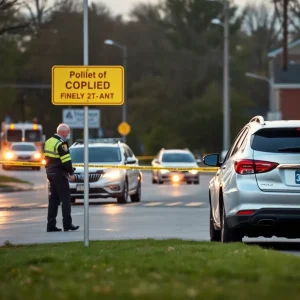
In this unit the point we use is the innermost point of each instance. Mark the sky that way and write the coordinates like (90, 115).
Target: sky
(124, 6)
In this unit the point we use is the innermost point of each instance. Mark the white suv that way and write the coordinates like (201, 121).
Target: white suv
(106, 182)
(256, 191)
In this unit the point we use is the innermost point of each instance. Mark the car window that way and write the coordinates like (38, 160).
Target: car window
(177, 157)
(14, 135)
(96, 154)
(240, 141)
(23, 147)
(232, 148)
(128, 151)
(33, 135)
(277, 140)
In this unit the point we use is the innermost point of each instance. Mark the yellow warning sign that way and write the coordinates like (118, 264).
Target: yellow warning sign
(124, 128)
(87, 85)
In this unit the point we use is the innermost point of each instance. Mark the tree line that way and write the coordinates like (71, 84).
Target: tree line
(174, 65)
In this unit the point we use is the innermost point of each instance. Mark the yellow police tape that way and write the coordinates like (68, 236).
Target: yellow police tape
(33, 164)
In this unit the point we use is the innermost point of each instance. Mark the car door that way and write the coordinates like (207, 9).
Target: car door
(156, 163)
(132, 174)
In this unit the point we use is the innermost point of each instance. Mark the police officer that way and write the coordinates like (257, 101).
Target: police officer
(59, 168)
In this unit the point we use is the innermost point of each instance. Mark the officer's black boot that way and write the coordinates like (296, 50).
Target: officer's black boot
(71, 227)
(54, 229)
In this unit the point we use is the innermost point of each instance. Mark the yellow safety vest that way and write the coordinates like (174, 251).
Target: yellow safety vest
(51, 150)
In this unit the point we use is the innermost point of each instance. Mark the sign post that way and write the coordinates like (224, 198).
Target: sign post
(86, 128)
(87, 85)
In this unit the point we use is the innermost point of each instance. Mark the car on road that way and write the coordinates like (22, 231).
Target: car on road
(175, 158)
(22, 152)
(106, 182)
(256, 190)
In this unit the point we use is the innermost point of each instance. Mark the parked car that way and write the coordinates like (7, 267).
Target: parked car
(175, 158)
(256, 191)
(22, 152)
(106, 182)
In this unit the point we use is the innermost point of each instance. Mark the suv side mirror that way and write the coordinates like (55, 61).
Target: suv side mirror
(130, 160)
(212, 160)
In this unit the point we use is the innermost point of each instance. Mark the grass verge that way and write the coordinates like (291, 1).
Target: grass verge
(147, 269)
(4, 180)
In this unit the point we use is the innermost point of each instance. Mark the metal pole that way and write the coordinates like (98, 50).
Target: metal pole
(271, 90)
(124, 108)
(226, 110)
(86, 129)
(285, 36)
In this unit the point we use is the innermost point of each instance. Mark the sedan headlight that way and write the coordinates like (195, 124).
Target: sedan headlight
(164, 171)
(194, 172)
(112, 174)
(37, 155)
(8, 155)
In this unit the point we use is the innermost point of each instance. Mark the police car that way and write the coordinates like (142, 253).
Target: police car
(106, 182)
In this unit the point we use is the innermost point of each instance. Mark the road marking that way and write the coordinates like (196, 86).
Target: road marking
(153, 203)
(28, 219)
(194, 204)
(133, 204)
(174, 203)
(104, 229)
(27, 204)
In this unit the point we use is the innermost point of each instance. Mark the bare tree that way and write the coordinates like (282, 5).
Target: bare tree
(10, 20)
(263, 27)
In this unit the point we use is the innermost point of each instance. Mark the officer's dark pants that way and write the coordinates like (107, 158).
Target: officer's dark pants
(59, 193)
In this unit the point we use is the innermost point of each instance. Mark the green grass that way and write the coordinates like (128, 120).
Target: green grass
(147, 269)
(7, 179)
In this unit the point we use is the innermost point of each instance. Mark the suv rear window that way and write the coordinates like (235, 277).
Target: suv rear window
(96, 154)
(278, 140)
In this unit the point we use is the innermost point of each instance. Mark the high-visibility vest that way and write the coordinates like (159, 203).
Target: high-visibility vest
(51, 150)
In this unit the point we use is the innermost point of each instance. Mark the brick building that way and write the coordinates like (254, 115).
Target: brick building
(285, 94)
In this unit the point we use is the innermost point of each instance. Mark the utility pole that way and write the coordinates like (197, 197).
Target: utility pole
(285, 36)
(22, 106)
(226, 103)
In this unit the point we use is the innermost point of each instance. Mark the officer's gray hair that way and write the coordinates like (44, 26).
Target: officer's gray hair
(62, 128)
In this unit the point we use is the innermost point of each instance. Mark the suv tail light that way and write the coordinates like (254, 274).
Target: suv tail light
(245, 212)
(249, 166)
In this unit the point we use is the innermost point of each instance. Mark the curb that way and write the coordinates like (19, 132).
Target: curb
(20, 188)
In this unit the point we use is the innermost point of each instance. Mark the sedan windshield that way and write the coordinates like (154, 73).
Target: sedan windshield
(23, 148)
(96, 154)
(178, 157)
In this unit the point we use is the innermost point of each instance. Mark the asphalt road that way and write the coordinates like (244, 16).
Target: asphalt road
(166, 211)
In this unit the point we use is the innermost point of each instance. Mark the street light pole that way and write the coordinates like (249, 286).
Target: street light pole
(226, 89)
(226, 110)
(124, 106)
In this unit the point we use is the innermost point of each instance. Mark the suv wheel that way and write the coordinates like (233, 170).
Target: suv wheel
(228, 235)
(124, 197)
(215, 235)
(138, 195)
